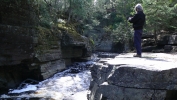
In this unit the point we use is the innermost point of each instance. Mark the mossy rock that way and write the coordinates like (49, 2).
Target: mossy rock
(70, 30)
(47, 39)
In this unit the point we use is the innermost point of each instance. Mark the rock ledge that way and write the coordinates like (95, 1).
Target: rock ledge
(152, 77)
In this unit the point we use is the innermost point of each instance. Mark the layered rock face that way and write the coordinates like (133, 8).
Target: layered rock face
(75, 46)
(16, 42)
(165, 43)
(152, 77)
(30, 51)
(169, 42)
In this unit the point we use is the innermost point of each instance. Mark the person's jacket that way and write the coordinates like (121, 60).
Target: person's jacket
(138, 20)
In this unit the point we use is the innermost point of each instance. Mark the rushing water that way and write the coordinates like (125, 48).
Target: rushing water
(62, 86)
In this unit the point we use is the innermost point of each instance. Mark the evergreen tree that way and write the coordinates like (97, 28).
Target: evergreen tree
(159, 15)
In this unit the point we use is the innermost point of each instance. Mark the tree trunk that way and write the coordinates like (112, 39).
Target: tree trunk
(155, 34)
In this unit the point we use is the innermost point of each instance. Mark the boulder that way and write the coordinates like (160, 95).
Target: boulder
(167, 48)
(152, 77)
(170, 48)
(74, 46)
(172, 39)
(167, 39)
(174, 48)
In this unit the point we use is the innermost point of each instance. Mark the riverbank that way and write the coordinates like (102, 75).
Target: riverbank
(152, 77)
(113, 69)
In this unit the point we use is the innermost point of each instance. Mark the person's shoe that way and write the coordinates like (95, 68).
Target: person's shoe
(136, 55)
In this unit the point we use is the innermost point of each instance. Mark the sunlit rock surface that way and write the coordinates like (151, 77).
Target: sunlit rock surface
(152, 77)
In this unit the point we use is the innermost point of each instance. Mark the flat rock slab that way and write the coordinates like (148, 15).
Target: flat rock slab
(152, 77)
(152, 71)
(148, 61)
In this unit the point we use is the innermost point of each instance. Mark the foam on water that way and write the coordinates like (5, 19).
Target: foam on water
(62, 86)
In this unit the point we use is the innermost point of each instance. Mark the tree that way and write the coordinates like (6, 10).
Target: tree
(158, 14)
(122, 31)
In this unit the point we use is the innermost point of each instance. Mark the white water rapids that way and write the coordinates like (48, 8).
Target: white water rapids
(62, 86)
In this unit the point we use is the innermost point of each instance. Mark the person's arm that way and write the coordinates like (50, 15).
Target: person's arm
(133, 19)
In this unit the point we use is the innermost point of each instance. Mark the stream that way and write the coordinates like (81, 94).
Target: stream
(71, 84)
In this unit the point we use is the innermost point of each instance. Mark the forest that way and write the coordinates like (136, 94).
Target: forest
(110, 15)
(107, 17)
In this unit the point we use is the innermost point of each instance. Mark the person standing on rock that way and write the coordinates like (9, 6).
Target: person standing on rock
(138, 21)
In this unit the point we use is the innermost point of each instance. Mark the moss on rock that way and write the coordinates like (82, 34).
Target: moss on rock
(71, 31)
(47, 39)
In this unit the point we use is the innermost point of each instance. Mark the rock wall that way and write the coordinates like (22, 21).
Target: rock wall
(164, 43)
(104, 43)
(122, 78)
(168, 41)
(16, 42)
(101, 41)
(30, 51)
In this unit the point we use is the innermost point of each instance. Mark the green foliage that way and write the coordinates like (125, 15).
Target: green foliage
(110, 15)
(92, 41)
(173, 2)
(50, 10)
(71, 31)
(105, 19)
(117, 12)
(160, 16)
(122, 33)
(81, 8)
(45, 14)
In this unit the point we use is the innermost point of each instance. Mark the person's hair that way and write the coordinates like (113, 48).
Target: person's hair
(138, 7)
